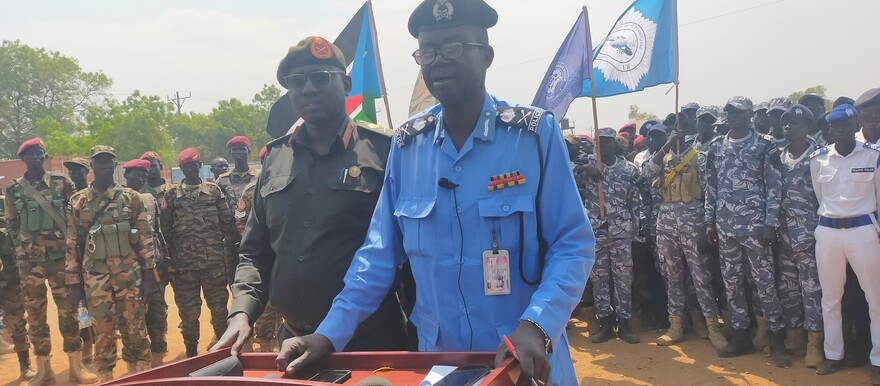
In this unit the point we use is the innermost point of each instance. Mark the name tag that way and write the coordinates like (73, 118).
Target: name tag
(862, 170)
(496, 273)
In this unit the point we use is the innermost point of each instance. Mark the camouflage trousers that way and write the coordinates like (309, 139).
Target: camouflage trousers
(679, 227)
(613, 266)
(34, 277)
(188, 287)
(157, 319)
(266, 324)
(113, 295)
(798, 286)
(12, 308)
(737, 253)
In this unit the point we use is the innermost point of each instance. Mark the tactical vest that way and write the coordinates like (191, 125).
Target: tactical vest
(31, 216)
(685, 186)
(111, 236)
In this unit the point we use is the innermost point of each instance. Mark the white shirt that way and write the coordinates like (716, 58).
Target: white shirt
(847, 186)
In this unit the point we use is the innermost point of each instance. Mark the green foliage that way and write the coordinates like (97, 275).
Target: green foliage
(818, 90)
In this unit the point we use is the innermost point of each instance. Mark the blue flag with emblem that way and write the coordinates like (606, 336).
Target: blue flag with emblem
(640, 51)
(569, 72)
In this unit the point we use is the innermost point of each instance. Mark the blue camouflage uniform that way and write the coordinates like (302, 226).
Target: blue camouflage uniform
(742, 196)
(443, 232)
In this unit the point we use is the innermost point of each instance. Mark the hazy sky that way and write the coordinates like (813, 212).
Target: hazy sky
(228, 49)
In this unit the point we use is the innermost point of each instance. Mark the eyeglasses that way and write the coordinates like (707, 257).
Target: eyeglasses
(318, 79)
(449, 51)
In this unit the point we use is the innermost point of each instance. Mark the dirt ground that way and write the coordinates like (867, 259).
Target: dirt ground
(692, 362)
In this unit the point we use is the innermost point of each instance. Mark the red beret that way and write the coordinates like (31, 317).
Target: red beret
(151, 154)
(629, 126)
(640, 140)
(33, 142)
(624, 134)
(239, 140)
(188, 156)
(262, 153)
(137, 164)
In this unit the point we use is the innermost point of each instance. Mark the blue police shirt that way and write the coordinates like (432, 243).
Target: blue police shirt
(417, 220)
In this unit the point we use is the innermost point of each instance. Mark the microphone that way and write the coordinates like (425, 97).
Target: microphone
(446, 184)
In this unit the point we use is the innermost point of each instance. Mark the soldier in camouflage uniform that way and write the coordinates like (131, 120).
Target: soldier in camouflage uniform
(156, 186)
(679, 170)
(136, 172)
(232, 183)
(798, 277)
(12, 301)
(614, 236)
(742, 213)
(35, 214)
(109, 257)
(198, 226)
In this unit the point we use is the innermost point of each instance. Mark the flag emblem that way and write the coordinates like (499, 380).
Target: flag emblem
(558, 83)
(626, 55)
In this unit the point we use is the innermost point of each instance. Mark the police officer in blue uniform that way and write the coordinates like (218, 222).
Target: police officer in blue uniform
(480, 199)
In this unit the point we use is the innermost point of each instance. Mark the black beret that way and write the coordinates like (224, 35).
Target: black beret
(311, 50)
(432, 15)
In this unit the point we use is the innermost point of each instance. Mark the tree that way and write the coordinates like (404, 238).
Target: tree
(636, 114)
(818, 90)
(36, 84)
(138, 124)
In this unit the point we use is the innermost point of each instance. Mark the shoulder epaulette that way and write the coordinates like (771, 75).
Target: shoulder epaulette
(373, 128)
(282, 140)
(413, 127)
(819, 151)
(523, 118)
(871, 146)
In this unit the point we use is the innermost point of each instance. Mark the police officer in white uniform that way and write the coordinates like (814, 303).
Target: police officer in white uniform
(846, 178)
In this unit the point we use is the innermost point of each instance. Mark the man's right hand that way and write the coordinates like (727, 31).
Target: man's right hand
(77, 294)
(712, 234)
(299, 352)
(588, 171)
(238, 331)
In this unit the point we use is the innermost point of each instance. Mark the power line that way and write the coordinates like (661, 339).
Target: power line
(178, 100)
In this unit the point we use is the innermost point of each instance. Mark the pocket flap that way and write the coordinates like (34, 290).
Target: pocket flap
(414, 208)
(276, 184)
(503, 206)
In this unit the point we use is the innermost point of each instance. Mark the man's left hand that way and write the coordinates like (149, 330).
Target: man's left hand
(768, 236)
(528, 340)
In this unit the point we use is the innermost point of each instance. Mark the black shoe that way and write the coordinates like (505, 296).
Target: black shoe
(778, 354)
(875, 375)
(829, 366)
(740, 343)
(605, 330)
(191, 350)
(625, 333)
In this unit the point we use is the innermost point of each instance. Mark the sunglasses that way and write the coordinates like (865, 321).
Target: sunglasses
(449, 51)
(318, 79)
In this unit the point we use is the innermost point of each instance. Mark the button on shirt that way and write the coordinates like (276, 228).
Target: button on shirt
(417, 220)
(847, 186)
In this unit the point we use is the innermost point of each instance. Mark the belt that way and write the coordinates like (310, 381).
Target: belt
(846, 222)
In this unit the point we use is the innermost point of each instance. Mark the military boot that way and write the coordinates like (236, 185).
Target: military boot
(87, 354)
(760, 340)
(814, 357)
(829, 366)
(78, 372)
(738, 344)
(715, 335)
(727, 326)
(674, 333)
(778, 354)
(699, 324)
(191, 350)
(625, 333)
(265, 345)
(44, 376)
(158, 359)
(795, 339)
(605, 330)
(24, 366)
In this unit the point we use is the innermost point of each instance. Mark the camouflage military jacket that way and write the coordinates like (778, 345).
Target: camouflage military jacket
(123, 232)
(799, 204)
(622, 205)
(197, 225)
(158, 192)
(243, 206)
(35, 236)
(744, 184)
(151, 207)
(7, 260)
(233, 183)
(651, 199)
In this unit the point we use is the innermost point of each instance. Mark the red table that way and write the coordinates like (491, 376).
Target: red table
(409, 368)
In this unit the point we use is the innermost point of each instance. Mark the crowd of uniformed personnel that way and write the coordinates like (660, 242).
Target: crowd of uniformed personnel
(436, 239)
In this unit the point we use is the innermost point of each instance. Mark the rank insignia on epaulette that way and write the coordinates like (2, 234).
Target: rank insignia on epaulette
(505, 180)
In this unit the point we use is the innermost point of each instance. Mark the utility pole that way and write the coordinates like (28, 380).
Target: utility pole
(178, 100)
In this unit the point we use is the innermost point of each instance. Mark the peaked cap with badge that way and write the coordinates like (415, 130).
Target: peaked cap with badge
(432, 15)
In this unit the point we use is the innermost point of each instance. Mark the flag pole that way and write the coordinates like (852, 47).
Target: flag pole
(598, 150)
(379, 63)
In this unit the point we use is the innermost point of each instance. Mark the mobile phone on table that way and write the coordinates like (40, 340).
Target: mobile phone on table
(332, 376)
(464, 376)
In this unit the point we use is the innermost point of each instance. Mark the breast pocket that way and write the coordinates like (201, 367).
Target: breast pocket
(504, 216)
(417, 225)
(859, 185)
